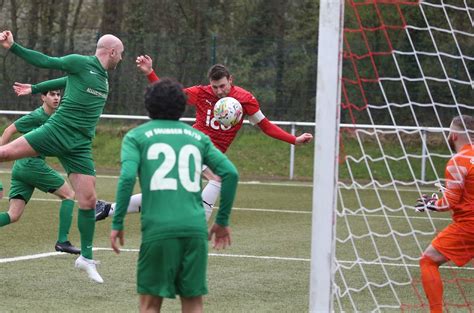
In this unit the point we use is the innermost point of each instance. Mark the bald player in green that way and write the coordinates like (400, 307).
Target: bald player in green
(68, 134)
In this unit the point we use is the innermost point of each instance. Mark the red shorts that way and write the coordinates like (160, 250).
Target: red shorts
(456, 242)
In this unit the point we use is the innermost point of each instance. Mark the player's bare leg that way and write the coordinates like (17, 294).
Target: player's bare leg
(150, 304)
(15, 210)
(16, 149)
(192, 305)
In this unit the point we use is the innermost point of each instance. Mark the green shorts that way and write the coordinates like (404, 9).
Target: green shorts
(31, 173)
(72, 148)
(168, 267)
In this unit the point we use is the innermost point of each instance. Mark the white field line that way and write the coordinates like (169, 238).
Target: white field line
(225, 255)
(256, 182)
(296, 211)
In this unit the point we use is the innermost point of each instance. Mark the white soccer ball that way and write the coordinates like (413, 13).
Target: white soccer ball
(228, 111)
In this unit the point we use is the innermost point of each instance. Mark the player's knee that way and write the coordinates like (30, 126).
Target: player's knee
(426, 261)
(87, 202)
(215, 183)
(5, 154)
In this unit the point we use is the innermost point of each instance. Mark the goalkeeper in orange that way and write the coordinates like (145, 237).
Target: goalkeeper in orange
(456, 242)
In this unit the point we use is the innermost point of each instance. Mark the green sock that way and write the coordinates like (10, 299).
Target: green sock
(4, 219)
(86, 225)
(65, 219)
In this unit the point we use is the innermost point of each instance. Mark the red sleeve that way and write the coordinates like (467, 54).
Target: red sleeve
(152, 77)
(276, 132)
(192, 93)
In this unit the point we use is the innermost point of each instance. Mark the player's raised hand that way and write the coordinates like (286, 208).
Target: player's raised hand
(6, 39)
(221, 236)
(144, 64)
(426, 202)
(114, 235)
(304, 138)
(22, 89)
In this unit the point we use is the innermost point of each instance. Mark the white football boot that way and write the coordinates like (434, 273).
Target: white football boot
(90, 267)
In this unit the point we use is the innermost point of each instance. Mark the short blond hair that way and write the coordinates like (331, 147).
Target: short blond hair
(464, 123)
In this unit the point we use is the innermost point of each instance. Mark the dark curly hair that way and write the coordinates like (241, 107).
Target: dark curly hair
(165, 100)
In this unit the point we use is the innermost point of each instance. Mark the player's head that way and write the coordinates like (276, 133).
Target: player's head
(220, 80)
(51, 99)
(109, 51)
(165, 100)
(461, 132)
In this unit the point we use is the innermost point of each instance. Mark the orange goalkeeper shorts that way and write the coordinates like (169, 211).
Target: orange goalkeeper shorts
(456, 242)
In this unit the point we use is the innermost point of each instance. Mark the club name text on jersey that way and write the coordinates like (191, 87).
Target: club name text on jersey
(213, 123)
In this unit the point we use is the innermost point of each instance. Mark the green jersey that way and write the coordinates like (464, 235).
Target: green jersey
(168, 156)
(86, 90)
(29, 122)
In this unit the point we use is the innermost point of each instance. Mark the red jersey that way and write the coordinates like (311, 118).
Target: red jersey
(459, 193)
(203, 98)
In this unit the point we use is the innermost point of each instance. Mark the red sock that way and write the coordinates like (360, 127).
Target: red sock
(432, 283)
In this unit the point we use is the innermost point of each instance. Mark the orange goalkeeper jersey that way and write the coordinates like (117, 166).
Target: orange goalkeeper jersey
(459, 193)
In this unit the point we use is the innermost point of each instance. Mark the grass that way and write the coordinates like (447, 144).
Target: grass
(236, 284)
(267, 268)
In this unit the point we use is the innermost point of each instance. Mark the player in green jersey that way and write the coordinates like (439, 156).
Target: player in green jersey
(68, 133)
(168, 155)
(31, 173)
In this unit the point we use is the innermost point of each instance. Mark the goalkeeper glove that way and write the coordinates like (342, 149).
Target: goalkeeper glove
(426, 202)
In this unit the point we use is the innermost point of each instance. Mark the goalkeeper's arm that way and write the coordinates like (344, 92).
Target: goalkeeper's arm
(431, 203)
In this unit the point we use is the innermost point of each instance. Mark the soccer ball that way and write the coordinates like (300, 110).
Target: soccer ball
(228, 111)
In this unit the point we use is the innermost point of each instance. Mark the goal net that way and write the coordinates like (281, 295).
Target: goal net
(408, 69)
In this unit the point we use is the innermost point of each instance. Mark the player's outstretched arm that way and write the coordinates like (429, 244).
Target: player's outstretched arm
(8, 134)
(304, 138)
(220, 236)
(429, 203)
(144, 64)
(6, 39)
(22, 89)
(276, 132)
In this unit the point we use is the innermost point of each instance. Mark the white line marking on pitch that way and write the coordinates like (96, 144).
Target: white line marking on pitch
(298, 212)
(282, 183)
(259, 257)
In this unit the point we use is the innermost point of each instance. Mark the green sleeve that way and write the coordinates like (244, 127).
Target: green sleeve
(53, 84)
(130, 156)
(70, 63)
(124, 192)
(1, 186)
(224, 168)
(27, 123)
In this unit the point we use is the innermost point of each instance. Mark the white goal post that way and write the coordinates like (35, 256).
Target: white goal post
(391, 63)
(326, 154)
